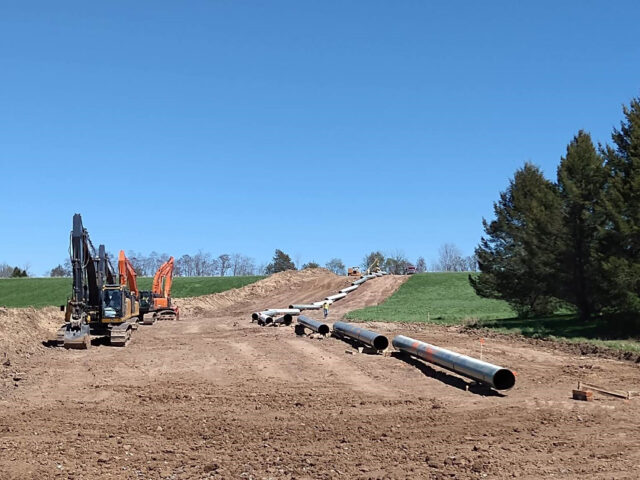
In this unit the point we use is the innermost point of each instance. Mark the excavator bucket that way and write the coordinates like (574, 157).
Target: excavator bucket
(77, 338)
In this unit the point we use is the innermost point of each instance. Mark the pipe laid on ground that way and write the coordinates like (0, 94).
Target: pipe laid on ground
(264, 319)
(379, 274)
(286, 319)
(322, 302)
(306, 306)
(360, 282)
(497, 377)
(311, 324)
(349, 289)
(373, 339)
(335, 297)
(283, 311)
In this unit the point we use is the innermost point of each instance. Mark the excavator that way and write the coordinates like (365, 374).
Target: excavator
(158, 300)
(100, 303)
(374, 268)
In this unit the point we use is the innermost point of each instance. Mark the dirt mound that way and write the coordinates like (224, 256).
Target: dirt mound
(277, 291)
(22, 330)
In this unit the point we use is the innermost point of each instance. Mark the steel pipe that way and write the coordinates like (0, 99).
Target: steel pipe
(349, 289)
(497, 377)
(322, 302)
(373, 339)
(335, 297)
(314, 325)
(264, 319)
(360, 282)
(286, 319)
(306, 306)
(282, 311)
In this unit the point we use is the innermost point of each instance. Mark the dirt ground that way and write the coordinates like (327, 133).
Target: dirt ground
(216, 396)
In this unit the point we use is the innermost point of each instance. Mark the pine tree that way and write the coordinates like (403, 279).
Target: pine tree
(518, 257)
(621, 237)
(581, 182)
(281, 262)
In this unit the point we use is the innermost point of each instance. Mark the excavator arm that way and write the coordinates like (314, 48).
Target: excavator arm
(127, 274)
(163, 279)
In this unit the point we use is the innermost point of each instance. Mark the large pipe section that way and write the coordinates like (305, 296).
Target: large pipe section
(283, 311)
(335, 297)
(311, 324)
(322, 302)
(264, 319)
(359, 282)
(497, 377)
(286, 319)
(373, 339)
(349, 289)
(306, 306)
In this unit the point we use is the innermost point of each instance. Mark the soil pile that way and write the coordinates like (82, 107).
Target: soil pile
(277, 291)
(22, 330)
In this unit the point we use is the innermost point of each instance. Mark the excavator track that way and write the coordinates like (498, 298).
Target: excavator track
(149, 319)
(168, 314)
(119, 335)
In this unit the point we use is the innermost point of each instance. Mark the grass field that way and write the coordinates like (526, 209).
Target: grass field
(43, 292)
(447, 298)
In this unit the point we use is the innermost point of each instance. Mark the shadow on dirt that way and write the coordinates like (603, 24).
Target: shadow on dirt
(444, 377)
(95, 342)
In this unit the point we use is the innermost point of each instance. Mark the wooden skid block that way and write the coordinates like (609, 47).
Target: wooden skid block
(584, 395)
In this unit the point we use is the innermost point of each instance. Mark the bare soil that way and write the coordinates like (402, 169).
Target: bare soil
(216, 396)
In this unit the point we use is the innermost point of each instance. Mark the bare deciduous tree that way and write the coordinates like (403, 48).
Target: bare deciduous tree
(336, 266)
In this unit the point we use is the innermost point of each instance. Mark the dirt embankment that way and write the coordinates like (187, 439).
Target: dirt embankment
(277, 291)
(22, 330)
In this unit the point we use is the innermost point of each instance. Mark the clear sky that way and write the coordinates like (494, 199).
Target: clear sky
(323, 128)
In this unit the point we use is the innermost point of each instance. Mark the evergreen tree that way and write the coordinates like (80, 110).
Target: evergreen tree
(620, 245)
(581, 182)
(281, 262)
(18, 273)
(518, 257)
(310, 265)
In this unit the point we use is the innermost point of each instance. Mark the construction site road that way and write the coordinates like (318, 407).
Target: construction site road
(216, 396)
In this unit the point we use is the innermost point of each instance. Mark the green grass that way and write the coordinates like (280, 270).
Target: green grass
(43, 292)
(447, 298)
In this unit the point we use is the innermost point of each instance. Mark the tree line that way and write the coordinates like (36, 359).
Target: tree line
(574, 241)
(7, 271)
(204, 264)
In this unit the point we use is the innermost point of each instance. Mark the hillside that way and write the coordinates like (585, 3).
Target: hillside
(435, 297)
(44, 292)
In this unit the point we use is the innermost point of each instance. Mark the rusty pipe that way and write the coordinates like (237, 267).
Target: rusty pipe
(497, 377)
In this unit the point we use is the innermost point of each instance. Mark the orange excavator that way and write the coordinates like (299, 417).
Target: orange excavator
(158, 300)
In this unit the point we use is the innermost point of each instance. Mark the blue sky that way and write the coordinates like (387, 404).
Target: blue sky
(323, 128)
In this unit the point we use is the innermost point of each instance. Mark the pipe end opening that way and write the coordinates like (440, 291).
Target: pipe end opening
(288, 318)
(504, 379)
(380, 342)
(323, 329)
(254, 316)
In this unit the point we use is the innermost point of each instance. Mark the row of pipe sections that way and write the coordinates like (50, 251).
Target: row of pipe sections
(495, 376)
(268, 317)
